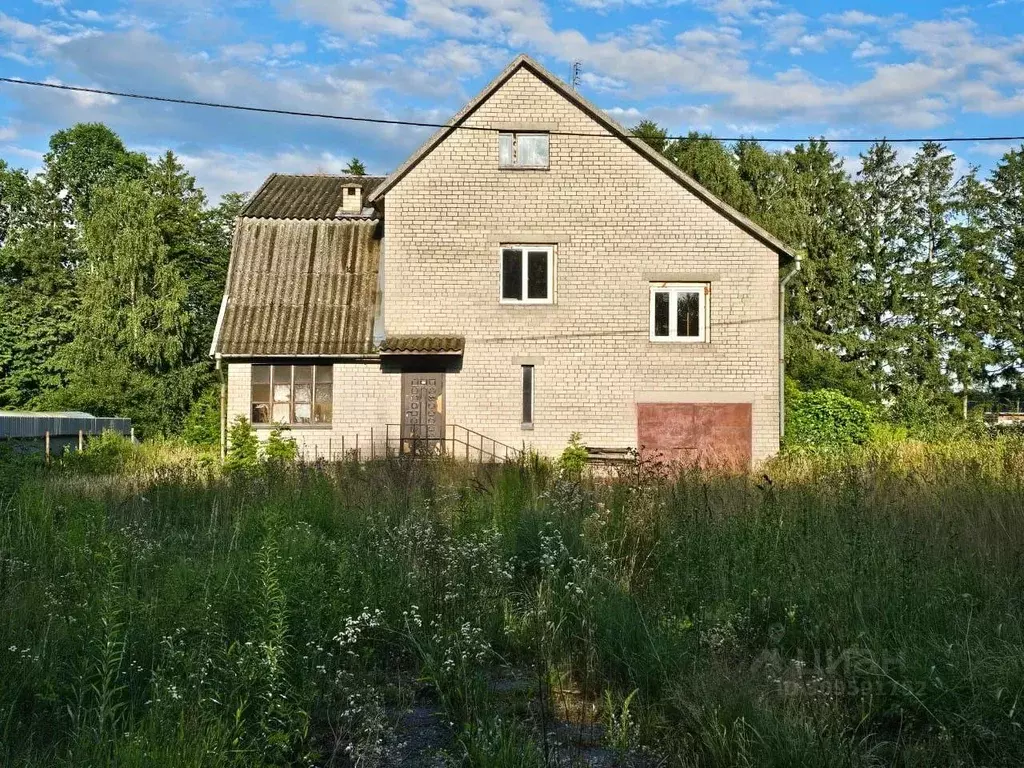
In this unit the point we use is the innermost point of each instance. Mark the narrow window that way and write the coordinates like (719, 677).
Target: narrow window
(527, 395)
(282, 379)
(260, 394)
(287, 394)
(523, 150)
(527, 274)
(323, 395)
(679, 312)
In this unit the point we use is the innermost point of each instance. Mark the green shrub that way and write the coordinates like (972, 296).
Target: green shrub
(202, 425)
(574, 458)
(826, 418)
(244, 446)
(280, 448)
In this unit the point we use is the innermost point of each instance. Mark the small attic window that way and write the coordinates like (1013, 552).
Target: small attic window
(352, 190)
(523, 150)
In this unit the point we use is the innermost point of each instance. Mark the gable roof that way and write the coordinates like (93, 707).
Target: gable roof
(299, 288)
(291, 196)
(523, 61)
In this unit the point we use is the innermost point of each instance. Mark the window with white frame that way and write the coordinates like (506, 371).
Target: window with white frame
(679, 312)
(527, 274)
(523, 150)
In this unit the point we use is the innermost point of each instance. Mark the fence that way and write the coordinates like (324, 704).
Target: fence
(455, 442)
(56, 432)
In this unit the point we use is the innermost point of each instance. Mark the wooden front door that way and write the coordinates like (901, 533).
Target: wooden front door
(422, 412)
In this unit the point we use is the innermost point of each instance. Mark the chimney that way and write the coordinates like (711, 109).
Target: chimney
(351, 199)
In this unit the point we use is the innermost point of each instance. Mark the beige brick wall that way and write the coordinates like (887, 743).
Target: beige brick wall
(365, 401)
(616, 222)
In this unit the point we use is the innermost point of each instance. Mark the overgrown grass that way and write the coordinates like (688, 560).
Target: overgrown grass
(848, 609)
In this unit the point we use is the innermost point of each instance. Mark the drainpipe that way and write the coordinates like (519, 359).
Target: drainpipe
(782, 345)
(223, 410)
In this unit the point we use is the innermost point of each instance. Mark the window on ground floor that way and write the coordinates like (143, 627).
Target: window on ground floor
(292, 394)
(679, 312)
(528, 383)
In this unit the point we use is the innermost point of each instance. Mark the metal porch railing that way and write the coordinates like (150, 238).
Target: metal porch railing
(456, 442)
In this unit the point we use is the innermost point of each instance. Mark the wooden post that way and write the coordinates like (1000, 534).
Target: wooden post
(47, 446)
(387, 440)
(343, 456)
(81, 441)
(372, 449)
(357, 446)
(132, 434)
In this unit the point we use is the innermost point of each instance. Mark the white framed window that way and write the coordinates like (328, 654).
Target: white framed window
(523, 150)
(527, 274)
(528, 396)
(679, 312)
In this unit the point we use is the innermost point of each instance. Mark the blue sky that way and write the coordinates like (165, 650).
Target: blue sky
(751, 67)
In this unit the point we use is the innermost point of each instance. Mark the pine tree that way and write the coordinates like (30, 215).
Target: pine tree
(653, 134)
(355, 167)
(977, 299)
(882, 220)
(1007, 183)
(712, 166)
(930, 239)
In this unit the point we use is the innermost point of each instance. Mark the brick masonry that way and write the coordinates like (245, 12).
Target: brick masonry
(617, 222)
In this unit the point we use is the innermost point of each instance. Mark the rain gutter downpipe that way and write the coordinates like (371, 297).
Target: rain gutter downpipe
(782, 345)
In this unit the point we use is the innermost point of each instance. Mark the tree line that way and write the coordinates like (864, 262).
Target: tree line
(912, 289)
(911, 295)
(112, 267)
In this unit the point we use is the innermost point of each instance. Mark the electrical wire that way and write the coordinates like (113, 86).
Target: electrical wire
(425, 124)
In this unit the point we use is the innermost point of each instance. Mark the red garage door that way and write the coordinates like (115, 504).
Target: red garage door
(706, 435)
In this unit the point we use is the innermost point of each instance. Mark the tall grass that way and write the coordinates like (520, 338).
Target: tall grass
(853, 609)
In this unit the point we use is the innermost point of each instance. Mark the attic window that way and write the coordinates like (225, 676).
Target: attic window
(352, 190)
(523, 150)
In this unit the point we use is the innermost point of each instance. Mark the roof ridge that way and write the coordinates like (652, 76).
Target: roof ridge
(599, 116)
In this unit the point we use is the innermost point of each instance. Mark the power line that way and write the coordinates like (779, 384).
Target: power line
(424, 124)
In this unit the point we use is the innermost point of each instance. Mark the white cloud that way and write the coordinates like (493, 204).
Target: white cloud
(462, 59)
(868, 50)
(855, 19)
(244, 51)
(221, 170)
(357, 18)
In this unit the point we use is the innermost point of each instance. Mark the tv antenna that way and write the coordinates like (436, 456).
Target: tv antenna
(577, 68)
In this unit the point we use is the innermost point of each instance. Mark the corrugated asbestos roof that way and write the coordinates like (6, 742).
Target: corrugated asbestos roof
(300, 288)
(286, 196)
(422, 345)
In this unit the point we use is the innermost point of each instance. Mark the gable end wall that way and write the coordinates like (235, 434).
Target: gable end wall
(617, 222)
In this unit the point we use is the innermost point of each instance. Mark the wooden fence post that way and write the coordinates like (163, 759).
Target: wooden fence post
(81, 441)
(47, 446)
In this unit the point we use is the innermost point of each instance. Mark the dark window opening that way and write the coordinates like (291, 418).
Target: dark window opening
(528, 395)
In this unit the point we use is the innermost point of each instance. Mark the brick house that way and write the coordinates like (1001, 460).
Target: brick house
(531, 271)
